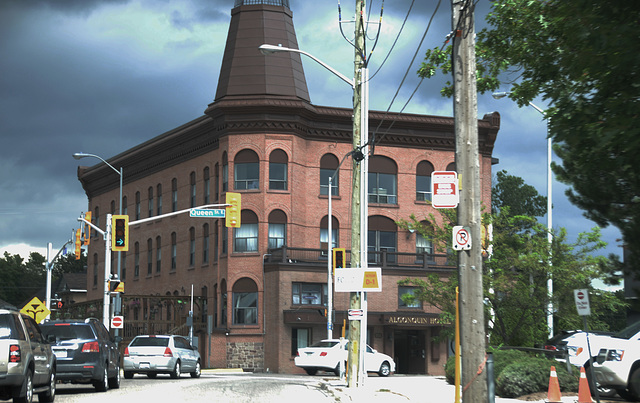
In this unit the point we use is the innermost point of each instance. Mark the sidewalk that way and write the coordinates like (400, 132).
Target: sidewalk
(407, 388)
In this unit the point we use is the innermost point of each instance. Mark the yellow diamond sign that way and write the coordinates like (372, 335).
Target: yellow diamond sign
(36, 309)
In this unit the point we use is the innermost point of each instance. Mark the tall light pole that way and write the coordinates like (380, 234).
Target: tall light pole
(117, 301)
(360, 86)
(500, 95)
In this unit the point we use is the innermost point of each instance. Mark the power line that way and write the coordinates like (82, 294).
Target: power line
(406, 17)
(373, 139)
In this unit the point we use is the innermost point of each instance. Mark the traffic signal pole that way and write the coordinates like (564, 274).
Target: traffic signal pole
(50, 268)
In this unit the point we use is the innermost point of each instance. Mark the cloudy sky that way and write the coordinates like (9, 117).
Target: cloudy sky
(101, 76)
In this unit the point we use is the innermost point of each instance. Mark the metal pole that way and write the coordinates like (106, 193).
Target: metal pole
(107, 275)
(329, 267)
(49, 267)
(117, 301)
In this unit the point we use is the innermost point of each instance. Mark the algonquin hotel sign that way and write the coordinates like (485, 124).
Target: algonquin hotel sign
(413, 320)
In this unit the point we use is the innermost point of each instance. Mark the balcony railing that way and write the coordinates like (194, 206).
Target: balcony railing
(384, 259)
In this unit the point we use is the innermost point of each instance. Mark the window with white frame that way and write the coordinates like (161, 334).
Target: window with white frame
(245, 238)
(278, 167)
(277, 229)
(309, 294)
(246, 170)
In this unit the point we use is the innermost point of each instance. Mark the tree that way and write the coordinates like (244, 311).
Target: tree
(582, 57)
(516, 274)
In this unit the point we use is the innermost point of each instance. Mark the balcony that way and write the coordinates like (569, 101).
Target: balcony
(384, 259)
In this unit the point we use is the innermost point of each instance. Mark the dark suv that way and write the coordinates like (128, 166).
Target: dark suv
(27, 364)
(85, 352)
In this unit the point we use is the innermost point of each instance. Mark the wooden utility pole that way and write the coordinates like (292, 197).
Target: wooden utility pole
(465, 111)
(357, 201)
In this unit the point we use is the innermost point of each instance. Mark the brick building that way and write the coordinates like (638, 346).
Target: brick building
(263, 287)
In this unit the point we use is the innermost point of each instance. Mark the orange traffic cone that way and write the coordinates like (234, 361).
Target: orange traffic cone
(584, 394)
(554, 395)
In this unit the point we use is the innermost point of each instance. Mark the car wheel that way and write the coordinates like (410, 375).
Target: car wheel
(634, 383)
(311, 371)
(385, 369)
(26, 389)
(196, 373)
(152, 375)
(103, 384)
(128, 375)
(175, 374)
(50, 394)
(114, 383)
(602, 390)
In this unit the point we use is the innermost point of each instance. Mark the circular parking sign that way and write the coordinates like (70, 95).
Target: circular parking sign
(461, 238)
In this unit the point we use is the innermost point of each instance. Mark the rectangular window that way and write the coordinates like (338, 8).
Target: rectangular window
(423, 188)
(309, 294)
(149, 258)
(277, 176)
(382, 188)
(277, 235)
(325, 174)
(406, 297)
(247, 175)
(205, 248)
(245, 238)
(245, 308)
(174, 256)
(424, 246)
(225, 178)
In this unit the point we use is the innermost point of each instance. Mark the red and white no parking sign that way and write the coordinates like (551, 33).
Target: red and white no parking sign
(461, 238)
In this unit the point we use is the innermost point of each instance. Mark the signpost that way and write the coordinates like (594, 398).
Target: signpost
(444, 189)
(461, 238)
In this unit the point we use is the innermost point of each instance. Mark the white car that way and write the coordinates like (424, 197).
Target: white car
(618, 368)
(326, 355)
(161, 354)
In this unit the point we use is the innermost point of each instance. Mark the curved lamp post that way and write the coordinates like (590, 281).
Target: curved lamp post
(500, 95)
(119, 172)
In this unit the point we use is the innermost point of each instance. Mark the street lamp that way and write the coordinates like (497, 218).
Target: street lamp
(500, 95)
(359, 207)
(119, 172)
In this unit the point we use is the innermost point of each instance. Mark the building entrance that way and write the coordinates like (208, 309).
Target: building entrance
(410, 352)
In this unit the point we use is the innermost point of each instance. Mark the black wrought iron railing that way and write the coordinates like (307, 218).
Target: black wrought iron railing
(384, 259)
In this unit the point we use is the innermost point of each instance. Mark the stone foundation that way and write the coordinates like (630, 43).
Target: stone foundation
(248, 356)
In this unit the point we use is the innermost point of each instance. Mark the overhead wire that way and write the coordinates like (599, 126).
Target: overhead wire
(373, 138)
(406, 17)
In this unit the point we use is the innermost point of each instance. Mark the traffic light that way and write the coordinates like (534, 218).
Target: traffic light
(339, 258)
(120, 233)
(78, 242)
(87, 229)
(56, 304)
(116, 286)
(232, 215)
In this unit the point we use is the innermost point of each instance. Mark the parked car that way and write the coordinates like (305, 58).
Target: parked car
(85, 352)
(161, 354)
(618, 367)
(572, 345)
(556, 347)
(326, 355)
(27, 363)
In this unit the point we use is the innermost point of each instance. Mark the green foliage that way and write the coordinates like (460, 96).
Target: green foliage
(532, 375)
(522, 199)
(517, 273)
(581, 57)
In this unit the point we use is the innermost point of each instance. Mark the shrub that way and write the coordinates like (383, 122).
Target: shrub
(501, 358)
(531, 376)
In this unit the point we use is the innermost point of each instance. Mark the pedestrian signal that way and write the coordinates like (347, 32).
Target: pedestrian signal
(339, 258)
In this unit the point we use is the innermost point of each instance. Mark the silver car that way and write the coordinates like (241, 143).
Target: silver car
(153, 355)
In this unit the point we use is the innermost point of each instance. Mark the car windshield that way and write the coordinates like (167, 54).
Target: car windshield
(628, 332)
(150, 342)
(65, 331)
(324, 344)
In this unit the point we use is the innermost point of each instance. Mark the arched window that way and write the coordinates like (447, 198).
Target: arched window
(328, 165)
(451, 166)
(192, 182)
(174, 195)
(137, 205)
(382, 237)
(205, 243)
(159, 199)
(225, 172)
(124, 205)
(136, 258)
(245, 238)
(158, 254)
(207, 186)
(192, 247)
(174, 251)
(423, 181)
(278, 166)
(245, 302)
(382, 180)
(95, 269)
(113, 207)
(216, 182)
(150, 201)
(277, 229)
(149, 257)
(424, 246)
(246, 170)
